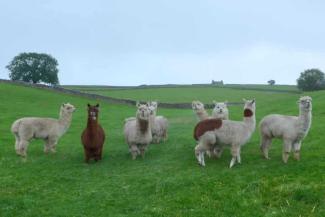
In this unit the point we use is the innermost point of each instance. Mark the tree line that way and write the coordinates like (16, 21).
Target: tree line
(43, 68)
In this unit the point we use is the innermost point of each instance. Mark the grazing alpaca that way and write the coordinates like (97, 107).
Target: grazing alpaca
(137, 131)
(233, 133)
(291, 129)
(159, 124)
(198, 108)
(48, 129)
(93, 137)
(220, 110)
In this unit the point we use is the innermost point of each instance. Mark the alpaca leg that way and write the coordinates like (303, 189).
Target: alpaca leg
(265, 145)
(52, 144)
(17, 144)
(143, 150)
(234, 152)
(23, 144)
(134, 151)
(296, 148)
(286, 150)
(46, 146)
(199, 154)
(87, 155)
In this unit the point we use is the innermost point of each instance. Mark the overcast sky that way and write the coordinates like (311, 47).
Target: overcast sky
(133, 42)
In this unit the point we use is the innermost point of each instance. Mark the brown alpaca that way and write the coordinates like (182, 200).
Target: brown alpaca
(93, 136)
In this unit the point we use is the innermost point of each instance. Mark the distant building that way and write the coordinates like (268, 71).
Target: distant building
(219, 83)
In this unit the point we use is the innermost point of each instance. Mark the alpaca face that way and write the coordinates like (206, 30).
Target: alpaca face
(220, 108)
(197, 105)
(143, 111)
(93, 111)
(152, 107)
(67, 108)
(305, 103)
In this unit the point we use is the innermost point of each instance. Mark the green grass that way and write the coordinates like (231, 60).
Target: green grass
(168, 182)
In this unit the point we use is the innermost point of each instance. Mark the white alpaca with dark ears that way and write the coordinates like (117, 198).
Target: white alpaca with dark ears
(291, 129)
(48, 129)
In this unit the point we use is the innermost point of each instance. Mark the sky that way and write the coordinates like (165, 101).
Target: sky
(134, 42)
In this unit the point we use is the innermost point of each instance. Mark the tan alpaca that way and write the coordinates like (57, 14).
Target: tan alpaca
(292, 129)
(48, 129)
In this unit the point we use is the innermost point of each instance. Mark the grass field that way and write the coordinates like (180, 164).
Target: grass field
(168, 182)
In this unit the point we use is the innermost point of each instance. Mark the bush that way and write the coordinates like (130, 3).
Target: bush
(311, 79)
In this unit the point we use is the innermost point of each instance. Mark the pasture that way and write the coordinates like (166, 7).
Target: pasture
(168, 181)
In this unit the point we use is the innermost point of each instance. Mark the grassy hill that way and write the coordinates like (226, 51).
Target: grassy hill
(168, 182)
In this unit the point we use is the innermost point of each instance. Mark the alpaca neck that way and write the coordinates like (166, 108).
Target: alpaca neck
(144, 126)
(64, 121)
(304, 121)
(202, 114)
(92, 126)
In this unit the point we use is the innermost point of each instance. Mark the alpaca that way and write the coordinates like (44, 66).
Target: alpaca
(227, 132)
(159, 124)
(137, 131)
(48, 129)
(292, 129)
(93, 137)
(220, 110)
(198, 108)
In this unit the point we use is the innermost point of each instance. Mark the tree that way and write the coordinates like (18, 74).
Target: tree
(34, 67)
(271, 82)
(311, 79)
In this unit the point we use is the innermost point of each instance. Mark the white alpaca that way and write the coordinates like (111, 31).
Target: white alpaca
(48, 129)
(137, 131)
(291, 129)
(159, 124)
(227, 132)
(198, 108)
(220, 110)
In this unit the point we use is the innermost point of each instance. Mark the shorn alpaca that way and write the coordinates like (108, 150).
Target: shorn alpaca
(159, 124)
(93, 137)
(220, 110)
(199, 110)
(137, 131)
(48, 129)
(227, 132)
(291, 129)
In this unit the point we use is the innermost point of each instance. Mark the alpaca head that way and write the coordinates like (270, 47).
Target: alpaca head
(305, 103)
(220, 107)
(93, 111)
(197, 105)
(249, 107)
(153, 105)
(143, 111)
(67, 108)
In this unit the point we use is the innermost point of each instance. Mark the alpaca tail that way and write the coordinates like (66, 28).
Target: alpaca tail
(15, 127)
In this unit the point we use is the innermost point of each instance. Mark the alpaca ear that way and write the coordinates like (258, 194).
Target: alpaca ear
(253, 101)
(244, 100)
(137, 104)
(97, 105)
(88, 105)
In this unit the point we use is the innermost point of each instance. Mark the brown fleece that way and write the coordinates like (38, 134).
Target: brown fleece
(248, 113)
(206, 125)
